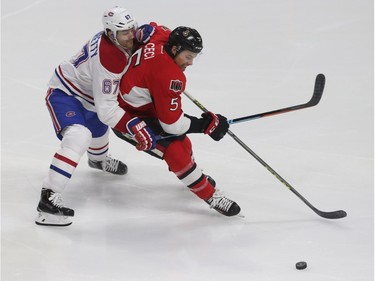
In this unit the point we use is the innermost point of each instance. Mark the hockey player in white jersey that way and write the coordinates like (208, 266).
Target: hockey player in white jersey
(82, 101)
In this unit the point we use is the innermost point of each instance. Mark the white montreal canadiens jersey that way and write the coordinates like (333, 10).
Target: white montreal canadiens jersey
(92, 76)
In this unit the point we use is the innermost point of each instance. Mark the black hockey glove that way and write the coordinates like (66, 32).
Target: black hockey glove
(215, 125)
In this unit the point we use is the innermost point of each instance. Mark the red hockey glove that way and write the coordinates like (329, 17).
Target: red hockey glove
(216, 125)
(142, 133)
(144, 33)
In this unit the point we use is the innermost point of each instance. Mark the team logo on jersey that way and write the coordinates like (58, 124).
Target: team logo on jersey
(176, 85)
(70, 114)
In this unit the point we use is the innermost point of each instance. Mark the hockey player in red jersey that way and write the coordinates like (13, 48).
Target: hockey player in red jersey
(82, 101)
(150, 91)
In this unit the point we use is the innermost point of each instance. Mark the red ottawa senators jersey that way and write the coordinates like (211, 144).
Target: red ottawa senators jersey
(153, 83)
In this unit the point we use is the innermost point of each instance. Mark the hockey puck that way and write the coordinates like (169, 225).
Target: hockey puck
(301, 265)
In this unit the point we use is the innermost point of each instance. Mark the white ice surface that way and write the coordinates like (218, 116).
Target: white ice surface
(258, 56)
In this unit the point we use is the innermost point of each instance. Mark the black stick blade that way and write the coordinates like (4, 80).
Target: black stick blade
(327, 215)
(320, 82)
(332, 215)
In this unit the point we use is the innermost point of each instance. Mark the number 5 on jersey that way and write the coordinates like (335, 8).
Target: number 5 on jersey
(174, 104)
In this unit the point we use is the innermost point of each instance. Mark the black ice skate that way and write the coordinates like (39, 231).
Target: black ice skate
(223, 205)
(110, 165)
(51, 210)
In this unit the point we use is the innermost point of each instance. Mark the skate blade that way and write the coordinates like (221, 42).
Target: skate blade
(240, 215)
(52, 220)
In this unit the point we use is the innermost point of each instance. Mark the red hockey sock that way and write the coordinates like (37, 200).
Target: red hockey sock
(179, 159)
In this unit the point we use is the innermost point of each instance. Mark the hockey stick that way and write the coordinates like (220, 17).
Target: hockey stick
(328, 215)
(317, 95)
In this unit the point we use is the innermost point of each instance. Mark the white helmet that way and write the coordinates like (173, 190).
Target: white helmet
(116, 19)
